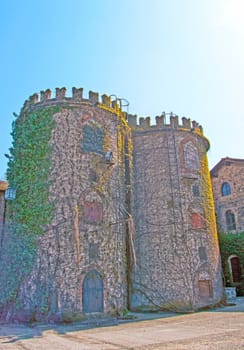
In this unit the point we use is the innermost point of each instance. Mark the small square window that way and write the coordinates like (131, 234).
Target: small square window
(93, 212)
(195, 191)
(202, 253)
(93, 251)
(197, 221)
(93, 176)
(92, 139)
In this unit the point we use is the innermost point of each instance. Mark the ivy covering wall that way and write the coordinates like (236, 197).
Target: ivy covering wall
(232, 244)
(28, 172)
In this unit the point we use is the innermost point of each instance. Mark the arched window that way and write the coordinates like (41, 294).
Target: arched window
(230, 220)
(225, 189)
(191, 156)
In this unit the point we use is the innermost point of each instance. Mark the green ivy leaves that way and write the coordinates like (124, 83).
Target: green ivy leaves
(29, 168)
(231, 244)
(28, 171)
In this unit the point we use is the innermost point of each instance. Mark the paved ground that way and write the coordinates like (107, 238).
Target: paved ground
(218, 329)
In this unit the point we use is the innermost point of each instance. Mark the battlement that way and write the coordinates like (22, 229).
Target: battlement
(112, 104)
(165, 121)
(45, 98)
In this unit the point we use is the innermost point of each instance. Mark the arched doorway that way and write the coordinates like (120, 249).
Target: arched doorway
(92, 295)
(235, 268)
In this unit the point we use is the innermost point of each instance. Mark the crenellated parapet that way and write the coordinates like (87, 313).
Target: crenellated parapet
(111, 104)
(164, 121)
(46, 98)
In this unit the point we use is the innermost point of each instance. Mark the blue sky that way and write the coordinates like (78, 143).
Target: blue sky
(184, 56)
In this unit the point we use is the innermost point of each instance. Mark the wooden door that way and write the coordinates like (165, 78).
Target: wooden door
(236, 269)
(92, 296)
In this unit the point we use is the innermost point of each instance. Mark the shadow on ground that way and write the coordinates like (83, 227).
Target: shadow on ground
(11, 333)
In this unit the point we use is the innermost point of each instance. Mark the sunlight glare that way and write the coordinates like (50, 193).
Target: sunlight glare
(233, 13)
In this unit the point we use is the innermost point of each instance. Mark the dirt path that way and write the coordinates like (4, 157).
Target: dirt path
(217, 330)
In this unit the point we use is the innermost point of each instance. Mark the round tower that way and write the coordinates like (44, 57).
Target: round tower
(68, 165)
(178, 262)
(87, 236)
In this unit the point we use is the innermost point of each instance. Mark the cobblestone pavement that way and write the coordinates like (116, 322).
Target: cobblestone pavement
(218, 329)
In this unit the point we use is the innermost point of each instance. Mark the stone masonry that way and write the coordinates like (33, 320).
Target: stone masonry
(133, 224)
(176, 241)
(227, 180)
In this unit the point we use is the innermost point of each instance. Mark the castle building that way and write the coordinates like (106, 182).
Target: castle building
(228, 190)
(114, 214)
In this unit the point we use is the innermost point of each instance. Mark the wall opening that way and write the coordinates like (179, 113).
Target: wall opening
(205, 289)
(235, 268)
(92, 292)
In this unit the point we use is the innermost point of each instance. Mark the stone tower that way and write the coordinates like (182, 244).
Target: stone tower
(80, 259)
(110, 214)
(178, 264)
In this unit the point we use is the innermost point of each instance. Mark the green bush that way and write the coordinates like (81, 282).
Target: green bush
(232, 244)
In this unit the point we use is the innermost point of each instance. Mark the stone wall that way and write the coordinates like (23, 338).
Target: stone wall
(85, 244)
(178, 264)
(231, 172)
(91, 257)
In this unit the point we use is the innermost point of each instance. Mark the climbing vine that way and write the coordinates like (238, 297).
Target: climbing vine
(232, 244)
(28, 171)
(208, 197)
(17, 257)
